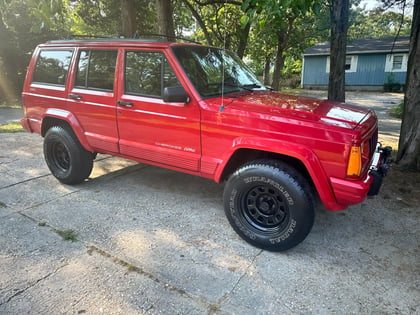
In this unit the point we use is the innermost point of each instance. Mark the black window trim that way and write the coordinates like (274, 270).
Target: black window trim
(71, 49)
(164, 62)
(90, 49)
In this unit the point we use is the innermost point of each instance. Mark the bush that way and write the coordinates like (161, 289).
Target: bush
(398, 110)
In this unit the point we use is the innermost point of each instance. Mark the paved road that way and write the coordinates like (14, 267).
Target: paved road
(154, 241)
(8, 114)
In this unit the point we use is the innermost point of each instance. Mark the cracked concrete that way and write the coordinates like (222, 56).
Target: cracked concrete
(154, 241)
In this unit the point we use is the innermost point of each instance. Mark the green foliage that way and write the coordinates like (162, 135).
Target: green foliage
(280, 30)
(266, 26)
(398, 110)
(67, 235)
(222, 25)
(377, 23)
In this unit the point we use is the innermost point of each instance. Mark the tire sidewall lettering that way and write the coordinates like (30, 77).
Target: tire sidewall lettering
(286, 234)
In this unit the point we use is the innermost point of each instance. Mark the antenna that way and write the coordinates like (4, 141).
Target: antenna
(222, 107)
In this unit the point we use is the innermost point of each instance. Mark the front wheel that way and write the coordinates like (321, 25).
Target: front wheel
(67, 160)
(269, 204)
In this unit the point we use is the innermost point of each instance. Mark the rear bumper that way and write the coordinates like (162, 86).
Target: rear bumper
(25, 124)
(352, 192)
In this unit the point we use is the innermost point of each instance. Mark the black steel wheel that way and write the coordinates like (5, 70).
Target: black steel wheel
(269, 204)
(67, 160)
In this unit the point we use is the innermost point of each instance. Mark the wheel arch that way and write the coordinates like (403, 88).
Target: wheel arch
(65, 119)
(302, 159)
(246, 155)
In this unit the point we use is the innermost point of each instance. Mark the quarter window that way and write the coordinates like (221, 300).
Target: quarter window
(52, 67)
(148, 73)
(96, 69)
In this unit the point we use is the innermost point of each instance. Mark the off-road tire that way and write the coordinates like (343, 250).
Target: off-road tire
(269, 204)
(67, 160)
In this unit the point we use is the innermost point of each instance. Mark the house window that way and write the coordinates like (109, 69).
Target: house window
(351, 64)
(396, 62)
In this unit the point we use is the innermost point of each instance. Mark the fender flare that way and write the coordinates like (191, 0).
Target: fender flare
(71, 120)
(302, 153)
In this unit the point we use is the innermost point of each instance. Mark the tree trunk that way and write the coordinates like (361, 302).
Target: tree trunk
(164, 12)
(339, 23)
(8, 65)
(267, 67)
(282, 44)
(278, 66)
(243, 40)
(128, 18)
(409, 144)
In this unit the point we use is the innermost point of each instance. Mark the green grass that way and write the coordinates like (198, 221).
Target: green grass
(67, 235)
(11, 127)
(397, 111)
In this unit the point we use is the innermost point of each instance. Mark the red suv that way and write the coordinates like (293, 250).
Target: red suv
(199, 110)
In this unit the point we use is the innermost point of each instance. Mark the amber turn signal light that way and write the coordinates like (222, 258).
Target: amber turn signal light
(354, 166)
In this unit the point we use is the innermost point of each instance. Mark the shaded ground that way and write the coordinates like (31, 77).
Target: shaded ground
(154, 241)
(403, 187)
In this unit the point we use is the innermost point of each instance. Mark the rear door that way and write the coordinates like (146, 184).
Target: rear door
(149, 128)
(92, 97)
(46, 86)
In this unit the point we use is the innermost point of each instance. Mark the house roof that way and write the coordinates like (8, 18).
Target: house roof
(364, 46)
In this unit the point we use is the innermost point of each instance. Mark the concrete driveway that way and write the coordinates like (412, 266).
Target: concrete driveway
(154, 241)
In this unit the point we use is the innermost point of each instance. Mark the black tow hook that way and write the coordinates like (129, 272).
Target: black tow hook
(386, 162)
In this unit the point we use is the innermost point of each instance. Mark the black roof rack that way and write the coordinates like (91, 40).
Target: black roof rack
(157, 38)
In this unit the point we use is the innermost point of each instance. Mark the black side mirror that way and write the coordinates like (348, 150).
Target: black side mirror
(175, 94)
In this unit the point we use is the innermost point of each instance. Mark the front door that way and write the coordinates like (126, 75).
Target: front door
(150, 129)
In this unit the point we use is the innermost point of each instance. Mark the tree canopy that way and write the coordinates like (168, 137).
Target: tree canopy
(269, 34)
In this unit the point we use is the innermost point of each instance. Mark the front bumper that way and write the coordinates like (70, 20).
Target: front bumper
(349, 192)
(379, 169)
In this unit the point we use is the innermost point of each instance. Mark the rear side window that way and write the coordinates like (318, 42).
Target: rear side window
(52, 67)
(148, 73)
(96, 69)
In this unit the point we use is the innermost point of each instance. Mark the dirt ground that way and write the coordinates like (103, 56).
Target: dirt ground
(403, 187)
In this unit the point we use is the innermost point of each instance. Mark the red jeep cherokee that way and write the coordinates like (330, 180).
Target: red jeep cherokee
(199, 110)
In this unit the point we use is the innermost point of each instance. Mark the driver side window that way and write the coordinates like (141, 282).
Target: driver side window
(147, 73)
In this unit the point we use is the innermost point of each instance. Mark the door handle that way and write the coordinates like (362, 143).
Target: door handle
(124, 103)
(75, 96)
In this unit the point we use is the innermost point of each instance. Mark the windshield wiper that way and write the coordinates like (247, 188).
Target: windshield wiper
(250, 87)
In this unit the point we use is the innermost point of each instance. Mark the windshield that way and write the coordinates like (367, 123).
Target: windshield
(214, 72)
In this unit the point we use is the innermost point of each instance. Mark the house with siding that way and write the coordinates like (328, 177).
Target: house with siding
(370, 64)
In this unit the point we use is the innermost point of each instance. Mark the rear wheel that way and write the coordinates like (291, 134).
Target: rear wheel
(67, 160)
(269, 204)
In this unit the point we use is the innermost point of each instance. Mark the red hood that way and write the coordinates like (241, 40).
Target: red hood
(322, 111)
